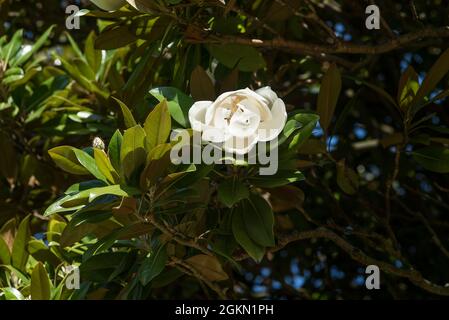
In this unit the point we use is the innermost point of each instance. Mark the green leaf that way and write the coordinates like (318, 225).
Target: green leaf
(201, 85)
(347, 178)
(153, 265)
(105, 167)
(127, 115)
(328, 96)
(76, 49)
(114, 147)
(178, 103)
(157, 125)
(100, 267)
(159, 151)
(39, 251)
(240, 233)
(259, 220)
(155, 169)
(13, 47)
(104, 243)
(65, 158)
(89, 163)
(93, 57)
(435, 74)
(433, 158)
(300, 128)
(166, 277)
(37, 45)
(114, 37)
(22, 276)
(132, 154)
(80, 199)
(408, 86)
(5, 255)
(12, 294)
(82, 79)
(244, 58)
(40, 283)
(19, 250)
(281, 178)
(232, 191)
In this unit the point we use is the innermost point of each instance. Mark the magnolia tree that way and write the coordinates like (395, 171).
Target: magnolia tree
(224, 149)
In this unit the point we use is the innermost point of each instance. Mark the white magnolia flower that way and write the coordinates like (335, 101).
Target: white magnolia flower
(239, 119)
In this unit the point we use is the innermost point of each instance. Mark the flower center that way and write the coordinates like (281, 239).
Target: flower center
(229, 112)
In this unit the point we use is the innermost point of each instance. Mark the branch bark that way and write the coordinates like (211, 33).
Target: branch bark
(338, 48)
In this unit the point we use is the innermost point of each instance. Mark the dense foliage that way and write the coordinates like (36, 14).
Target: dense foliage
(86, 180)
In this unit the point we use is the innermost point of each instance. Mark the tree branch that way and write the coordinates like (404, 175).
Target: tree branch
(322, 50)
(413, 275)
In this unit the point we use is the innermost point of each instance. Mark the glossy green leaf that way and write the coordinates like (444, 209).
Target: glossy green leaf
(154, 170)
(39, 251)
(178, 103)
(105, 167)
(12, 48)
(65, 158)
(20, 254)
(132, 154)
(232, 191)
(240, 233)
(300, 128)
(113, 37)
(281, 178)
(89, 163)
(328, 96)
(153, 265)
(5, 255)
(439, 69)
(433, 158)
(80, 199)
(157, 125)
(408, 86)
(114, 147)
(93, 56)
(100, 267)
(35, 47)
(12, 294)
(127, 115)
(40, 283)
(259, 220)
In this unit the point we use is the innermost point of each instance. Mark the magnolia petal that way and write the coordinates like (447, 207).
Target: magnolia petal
(239, 145)
(197, 113)
(213, 134)
(268, 130)
(268, 94)
(247, 93)
(220, 116)
(244, 123)
(109, 5)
